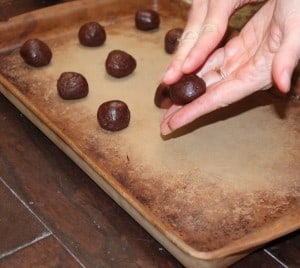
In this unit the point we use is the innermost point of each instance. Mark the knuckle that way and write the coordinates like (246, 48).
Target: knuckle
(189, 35)
(209, 28)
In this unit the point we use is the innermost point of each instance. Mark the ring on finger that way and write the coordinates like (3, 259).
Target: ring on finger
(221, 73)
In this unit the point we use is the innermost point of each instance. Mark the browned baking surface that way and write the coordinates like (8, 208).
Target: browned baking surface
(228, 176)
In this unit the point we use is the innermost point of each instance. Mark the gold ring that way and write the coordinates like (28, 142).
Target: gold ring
(220, 73)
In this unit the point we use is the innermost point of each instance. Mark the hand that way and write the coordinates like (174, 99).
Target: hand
(266, 50)
(206, 26)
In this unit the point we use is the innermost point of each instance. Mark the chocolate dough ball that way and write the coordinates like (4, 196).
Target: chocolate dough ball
(147, 20)
(172, 38)
(92, 34)
(119, 63)
(188, 88)
(36, 53)
(162, 96)
(113, 115)
(72, 85)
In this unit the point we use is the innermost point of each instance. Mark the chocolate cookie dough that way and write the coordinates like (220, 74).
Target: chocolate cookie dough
(172, 38)
(119, 63)
(147, 20)
(113, 115)
(92, 34)
(36, 53)
(188, 88)
(162, 96)
(72, 85)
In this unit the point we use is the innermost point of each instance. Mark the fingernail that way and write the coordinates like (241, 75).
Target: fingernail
(286, 80)
(186, 63)
(165, 130)
(169, 71)
(167, 75)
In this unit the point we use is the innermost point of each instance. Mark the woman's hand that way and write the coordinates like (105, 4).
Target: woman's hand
(206, 26)
(266, 51)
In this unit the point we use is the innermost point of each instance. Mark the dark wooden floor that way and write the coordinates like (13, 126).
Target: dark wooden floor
(53, 215)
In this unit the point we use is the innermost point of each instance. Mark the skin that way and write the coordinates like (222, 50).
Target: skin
(265, 53)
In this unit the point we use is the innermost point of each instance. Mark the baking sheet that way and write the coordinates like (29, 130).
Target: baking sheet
(224, 185)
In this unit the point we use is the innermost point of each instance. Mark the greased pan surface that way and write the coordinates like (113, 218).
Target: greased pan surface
(223, 185)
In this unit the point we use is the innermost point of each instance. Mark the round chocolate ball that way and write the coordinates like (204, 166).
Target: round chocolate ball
(172, 39)
(162, 96)
(72, 85)
(92, 34)
(186, 89)
(119, 63)
(113, 115)
(36, 53)
(147, 20)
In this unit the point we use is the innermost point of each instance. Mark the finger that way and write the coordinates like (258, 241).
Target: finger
(173, 109)
(219, 95)
(187, 41)
(213, 71)
(285, 61)
(216, 60)
(174, 71)
(212, 31)
(213, 76)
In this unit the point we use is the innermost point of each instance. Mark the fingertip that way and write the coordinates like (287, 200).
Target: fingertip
(167, 126)
(282, 78)
(171, 76)
(165, 132)
(285, 81)
(165, 129)
(168, 75)
(284, 63)
(187, 66)
(193, 61)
